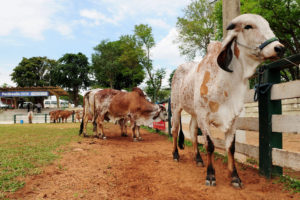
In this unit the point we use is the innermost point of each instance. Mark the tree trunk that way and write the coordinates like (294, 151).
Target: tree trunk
(75, 96)
(230, 9)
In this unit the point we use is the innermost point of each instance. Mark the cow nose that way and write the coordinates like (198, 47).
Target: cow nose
(279, 50)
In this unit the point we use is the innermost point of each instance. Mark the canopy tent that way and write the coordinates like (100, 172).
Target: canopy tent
(17, 92)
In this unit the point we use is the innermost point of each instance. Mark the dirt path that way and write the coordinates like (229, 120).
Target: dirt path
(121, 169)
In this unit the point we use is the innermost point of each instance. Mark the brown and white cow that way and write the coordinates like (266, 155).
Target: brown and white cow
(88, 111)
(213, 91)
(132, 106)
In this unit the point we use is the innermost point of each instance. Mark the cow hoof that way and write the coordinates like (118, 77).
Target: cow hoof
(236, 182)
(104, 137)
(200, 164)
(124, 135)
(210, 180)
(176, 156)
(135, 139)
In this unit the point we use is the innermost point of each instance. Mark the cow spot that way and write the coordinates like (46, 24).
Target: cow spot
(214, 106)
(236, 51)
(204, 89)
(225, 94)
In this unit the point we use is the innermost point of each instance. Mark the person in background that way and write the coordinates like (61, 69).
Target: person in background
(30, 116)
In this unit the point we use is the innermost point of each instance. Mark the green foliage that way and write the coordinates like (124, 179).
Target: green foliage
(154, 85)
(24, 149)
(290, 183)
(171, 77)
(32, 72)
(196, 28)
(252, 161)
(72, 73)
(144, 35)
(118, 64)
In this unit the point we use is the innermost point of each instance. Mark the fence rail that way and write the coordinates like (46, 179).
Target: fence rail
(37, 118)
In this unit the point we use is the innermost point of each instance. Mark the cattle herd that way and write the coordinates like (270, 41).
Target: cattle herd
(60, 115)
(211, 91)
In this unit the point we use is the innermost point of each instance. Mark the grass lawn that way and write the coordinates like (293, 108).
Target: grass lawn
(25, 148)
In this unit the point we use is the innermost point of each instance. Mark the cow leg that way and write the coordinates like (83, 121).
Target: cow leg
(138, 133)
(85, 121)
(230, 148)
(210, 176)
(133, 126)
(194, 133)
(175, 128)
(100, 131)
(209, 145)
(122, 123)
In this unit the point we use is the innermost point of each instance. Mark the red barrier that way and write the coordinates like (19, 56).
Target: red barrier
(159, 125)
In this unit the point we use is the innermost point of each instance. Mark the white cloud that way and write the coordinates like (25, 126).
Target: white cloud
(166, 51)
(97, 16)
(30, 18)
(154, 7)
(158, 23)
(6, 78)
(118, 10)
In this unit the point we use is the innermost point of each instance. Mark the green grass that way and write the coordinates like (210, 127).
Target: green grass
(24, 149)
(289, 183)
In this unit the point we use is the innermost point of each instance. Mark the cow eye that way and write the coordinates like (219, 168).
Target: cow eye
(248, 27)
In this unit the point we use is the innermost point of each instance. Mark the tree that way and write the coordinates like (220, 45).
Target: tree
(118, 64)
(153, 92)
(33, 72)
(171, 77)
(196, 28)
(144, 34)
(72, 73)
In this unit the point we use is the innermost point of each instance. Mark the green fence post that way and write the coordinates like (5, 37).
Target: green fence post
(15, 118)
(267, 138)
(73, 118)
(45, 118)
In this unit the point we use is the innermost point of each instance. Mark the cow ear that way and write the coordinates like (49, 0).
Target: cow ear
(225, 57)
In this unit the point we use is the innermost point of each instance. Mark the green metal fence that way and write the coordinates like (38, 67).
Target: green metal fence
(37, 118)
(267, 107)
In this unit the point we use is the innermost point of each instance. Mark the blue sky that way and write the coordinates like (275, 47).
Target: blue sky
(54, 27)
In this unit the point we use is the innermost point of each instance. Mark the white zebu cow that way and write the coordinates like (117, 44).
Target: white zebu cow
(213, 91)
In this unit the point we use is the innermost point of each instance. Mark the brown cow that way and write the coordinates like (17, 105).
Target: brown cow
(55, 115)
(132, 106)
(65, 114)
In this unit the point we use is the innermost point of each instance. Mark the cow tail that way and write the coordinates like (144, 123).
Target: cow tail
(181, 136)
(83, 113)
(81, 127)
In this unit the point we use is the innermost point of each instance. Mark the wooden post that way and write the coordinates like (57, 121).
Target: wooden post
(267, 138)
(57, 101)
(230, 9)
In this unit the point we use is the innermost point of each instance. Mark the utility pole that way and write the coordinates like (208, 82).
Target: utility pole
(230, 9)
